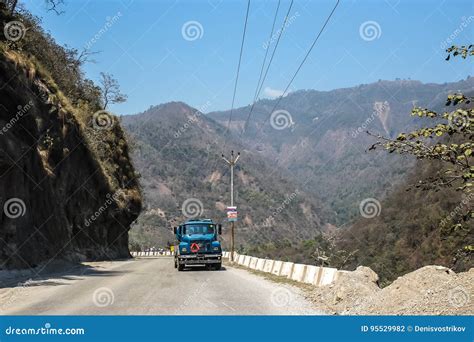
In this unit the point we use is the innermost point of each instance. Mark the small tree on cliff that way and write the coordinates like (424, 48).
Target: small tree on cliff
(449, 140)
(110, 90)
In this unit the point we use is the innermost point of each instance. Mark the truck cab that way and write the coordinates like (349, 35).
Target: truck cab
(198, 244)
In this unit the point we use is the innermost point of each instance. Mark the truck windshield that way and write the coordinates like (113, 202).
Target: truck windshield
(199, 229)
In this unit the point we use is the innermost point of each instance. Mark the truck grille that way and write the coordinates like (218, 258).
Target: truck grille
(203, 246)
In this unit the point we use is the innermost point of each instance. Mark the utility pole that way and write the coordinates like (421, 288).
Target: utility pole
(231, 162)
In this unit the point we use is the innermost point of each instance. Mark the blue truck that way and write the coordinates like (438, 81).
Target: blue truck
(198, 244)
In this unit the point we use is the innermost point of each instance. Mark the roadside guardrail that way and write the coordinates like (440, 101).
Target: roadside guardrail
(309, 274)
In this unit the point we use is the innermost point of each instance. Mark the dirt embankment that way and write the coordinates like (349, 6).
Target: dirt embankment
(431, 290)
(67, 188)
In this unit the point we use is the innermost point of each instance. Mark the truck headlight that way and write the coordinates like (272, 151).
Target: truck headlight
(183, 249)
(216, 248)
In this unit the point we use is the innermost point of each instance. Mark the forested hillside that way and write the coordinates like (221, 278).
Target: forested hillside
(177, 150)
(319, 137)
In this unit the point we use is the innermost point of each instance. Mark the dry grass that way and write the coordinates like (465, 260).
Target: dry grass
(107, 146)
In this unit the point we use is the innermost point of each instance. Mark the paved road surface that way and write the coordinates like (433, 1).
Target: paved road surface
(151, 286)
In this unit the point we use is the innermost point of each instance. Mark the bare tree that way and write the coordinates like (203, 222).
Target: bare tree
(85, 56)
(110, 90)
(11, 5)
(54, 6)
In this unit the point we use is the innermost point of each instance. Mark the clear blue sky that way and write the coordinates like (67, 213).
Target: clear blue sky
(145, 50)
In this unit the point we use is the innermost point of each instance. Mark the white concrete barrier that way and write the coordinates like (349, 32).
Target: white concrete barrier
(311, 275)
(268, 266)
(247, 261)
(276, 270)
(260, 264)
(286, 269)
(298, 272)
(253, 263)
(328, 275)
(308, 274)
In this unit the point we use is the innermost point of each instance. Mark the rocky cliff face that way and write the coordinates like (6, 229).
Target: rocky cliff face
(67, 187)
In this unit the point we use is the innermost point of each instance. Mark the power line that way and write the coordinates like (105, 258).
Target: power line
(238, 66)
(260, 86)
(266, 51)
(236, 80)
(301, 64)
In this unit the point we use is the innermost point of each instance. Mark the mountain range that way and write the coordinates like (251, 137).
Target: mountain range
(322, 143)
(177, 150)
(303, 170)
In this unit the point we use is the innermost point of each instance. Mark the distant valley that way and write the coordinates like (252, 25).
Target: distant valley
(291, 183)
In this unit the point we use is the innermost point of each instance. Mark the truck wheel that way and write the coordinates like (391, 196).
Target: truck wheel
(175, 264)
(218, 266)
(180, 267)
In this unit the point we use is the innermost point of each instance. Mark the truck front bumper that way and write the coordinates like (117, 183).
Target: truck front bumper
(202, 259)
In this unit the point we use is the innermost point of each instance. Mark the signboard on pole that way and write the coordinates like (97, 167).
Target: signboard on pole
(232, 214)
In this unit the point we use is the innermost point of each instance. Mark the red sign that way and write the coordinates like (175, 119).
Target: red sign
(231, 214)
(194, 247)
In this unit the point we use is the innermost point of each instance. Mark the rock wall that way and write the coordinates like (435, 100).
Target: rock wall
(67, 190)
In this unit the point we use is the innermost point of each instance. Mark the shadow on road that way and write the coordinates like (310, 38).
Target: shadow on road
(42, 276)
